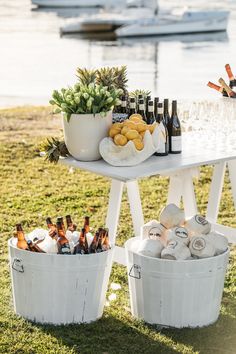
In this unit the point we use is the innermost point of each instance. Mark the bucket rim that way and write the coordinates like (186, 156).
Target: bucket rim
(10, 245)
(179, 261)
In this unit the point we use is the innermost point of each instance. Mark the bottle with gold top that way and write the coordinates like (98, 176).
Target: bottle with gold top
(21, 242)
(63, 244)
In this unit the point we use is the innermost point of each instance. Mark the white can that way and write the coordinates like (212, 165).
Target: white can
(179, 234)
(201, 247)
(172, 216)
(197, 225)
(150, 248)
(219, 241)
(176, 250)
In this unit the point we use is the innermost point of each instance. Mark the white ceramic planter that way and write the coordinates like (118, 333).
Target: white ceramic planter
(83, 134)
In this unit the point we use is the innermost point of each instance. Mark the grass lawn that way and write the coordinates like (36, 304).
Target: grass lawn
(31, 190)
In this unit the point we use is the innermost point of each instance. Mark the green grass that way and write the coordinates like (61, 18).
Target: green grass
(31, 189)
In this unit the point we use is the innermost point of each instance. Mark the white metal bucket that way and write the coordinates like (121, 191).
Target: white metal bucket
(59, 289)
(175, 293)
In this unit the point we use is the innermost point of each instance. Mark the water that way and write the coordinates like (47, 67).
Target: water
(34, 60)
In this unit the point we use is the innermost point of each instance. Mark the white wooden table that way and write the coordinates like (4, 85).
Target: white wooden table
(181, 169)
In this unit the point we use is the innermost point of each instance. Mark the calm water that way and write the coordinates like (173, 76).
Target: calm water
(34, 59)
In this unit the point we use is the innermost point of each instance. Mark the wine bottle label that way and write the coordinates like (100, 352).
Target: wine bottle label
(141, 107)
(176, 143)
(123, 103)
(159, 110)
(150, 109)
(162, 147)
(132, 105)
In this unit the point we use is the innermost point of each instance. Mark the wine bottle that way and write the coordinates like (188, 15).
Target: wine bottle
(141, 109)
(156, 101)
(132, 106)
(166, 118)
(229, 91)
(148, 98)
(150, 113)
(232, 80)
(174, 129)
(163, 148)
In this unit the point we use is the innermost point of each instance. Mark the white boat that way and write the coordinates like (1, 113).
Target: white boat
(107, 21)
(187, 22)
(70, 3)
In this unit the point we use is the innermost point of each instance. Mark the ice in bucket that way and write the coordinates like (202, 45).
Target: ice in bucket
(176, 250)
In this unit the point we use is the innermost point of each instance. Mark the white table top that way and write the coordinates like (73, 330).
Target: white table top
(195, 153)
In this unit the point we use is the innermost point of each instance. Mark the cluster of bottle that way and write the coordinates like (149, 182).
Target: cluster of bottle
(154, 111)
(224, 89)
(67, 238)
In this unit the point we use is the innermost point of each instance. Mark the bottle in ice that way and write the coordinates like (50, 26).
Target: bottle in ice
(21, 241)
(163, 147)
(232, 80)
(63, 244)
(217, 88)
(106, 243)
(229, 91)
(33, 247)
(174, 129)
(52, 228)
(70, 225)
(86, 224)
(94, 244)
(82, 246)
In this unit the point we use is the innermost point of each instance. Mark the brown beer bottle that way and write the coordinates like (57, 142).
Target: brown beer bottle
(101, 239)
(94, 244)
(52, 228)
(70, 226)
(60, 219)
(82, 246)
(63, 244)
(106, 243)
(86, 224)
(34, 247)
(21, 243)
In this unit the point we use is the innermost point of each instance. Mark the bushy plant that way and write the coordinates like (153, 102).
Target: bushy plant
(85, 99)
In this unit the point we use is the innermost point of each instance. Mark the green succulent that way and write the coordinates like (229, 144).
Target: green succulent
(138, 92)
(54, 148)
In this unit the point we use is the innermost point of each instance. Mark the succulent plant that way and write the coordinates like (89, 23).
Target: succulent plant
(85, 99)
(138, 92)
(54, 148)
(113, 77)
(86, 76)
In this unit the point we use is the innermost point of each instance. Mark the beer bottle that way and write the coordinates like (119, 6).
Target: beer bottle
(52, 228)
(86, 224)
(101, 238)
(82, 246)
(132, 106)
(63, 244)
(60, 219)
(21, 243)
(141, 109)
(106, 243)
(94, 244)
(70, 226)
(33, 247)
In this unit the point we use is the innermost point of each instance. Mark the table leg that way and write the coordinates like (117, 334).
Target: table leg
(135, 206)
(232, 176)
(215, 192)
(114, 205)
(175, 190)
(189, 199)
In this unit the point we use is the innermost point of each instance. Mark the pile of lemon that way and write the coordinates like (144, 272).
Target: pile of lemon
(133, 129)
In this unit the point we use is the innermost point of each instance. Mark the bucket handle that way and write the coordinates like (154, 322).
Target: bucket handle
(17, 265)
(136, 269)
